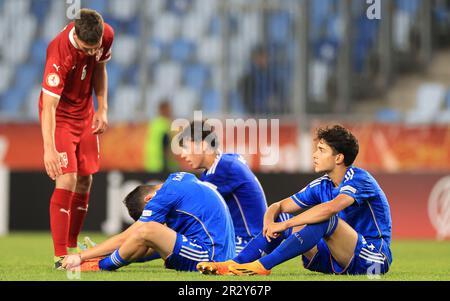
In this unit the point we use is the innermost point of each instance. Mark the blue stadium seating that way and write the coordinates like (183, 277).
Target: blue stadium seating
(195, 76)
(182, 50)
(212, 101)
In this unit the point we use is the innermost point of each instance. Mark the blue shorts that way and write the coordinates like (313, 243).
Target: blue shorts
(366, 260)
(241, 243)
(186, 255)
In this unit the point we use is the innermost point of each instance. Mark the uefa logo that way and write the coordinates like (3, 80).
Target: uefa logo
(439, 208)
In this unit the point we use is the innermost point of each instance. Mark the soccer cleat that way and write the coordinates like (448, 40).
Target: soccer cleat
(215, 268)
(58, 262)
(91, 265)
(249, 269)
(89, 243)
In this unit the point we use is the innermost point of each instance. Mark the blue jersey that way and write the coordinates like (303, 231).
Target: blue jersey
(370, 214)
(195, 210)
(242, 192)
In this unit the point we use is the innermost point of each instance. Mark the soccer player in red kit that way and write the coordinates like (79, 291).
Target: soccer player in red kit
(75, 67)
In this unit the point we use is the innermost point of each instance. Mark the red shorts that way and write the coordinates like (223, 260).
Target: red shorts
(80, 150)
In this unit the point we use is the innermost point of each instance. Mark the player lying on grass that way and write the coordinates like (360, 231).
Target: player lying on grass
(197, 228)
(231, 175)
(346, 229)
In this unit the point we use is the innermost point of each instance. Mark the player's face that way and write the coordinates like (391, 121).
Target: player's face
(87, 49)
(193, 154)
(324, 159)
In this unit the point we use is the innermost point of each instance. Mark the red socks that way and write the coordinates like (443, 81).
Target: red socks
(78, 211)
(59, 219)
(67, 213)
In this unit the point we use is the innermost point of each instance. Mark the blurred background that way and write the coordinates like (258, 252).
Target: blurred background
(307, 63)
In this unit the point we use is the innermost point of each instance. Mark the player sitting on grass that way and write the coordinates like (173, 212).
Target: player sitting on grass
(231, 175)
(198, 228)
(346, 229)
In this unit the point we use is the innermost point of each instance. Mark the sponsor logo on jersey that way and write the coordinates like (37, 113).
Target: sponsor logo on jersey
(53, 80)
(65, 160)
(147, 213)
(83, 75)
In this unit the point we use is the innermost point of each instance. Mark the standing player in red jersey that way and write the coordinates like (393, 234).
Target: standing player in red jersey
(75, 67)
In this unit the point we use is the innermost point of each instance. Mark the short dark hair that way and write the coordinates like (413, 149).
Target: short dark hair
(135, 200)
(199, 131)
(89, 26)
(341, 140)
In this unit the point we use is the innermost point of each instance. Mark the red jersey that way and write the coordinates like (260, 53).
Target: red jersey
(69, 74)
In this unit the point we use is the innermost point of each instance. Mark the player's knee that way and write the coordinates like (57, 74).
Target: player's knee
(149, 231)
(84, 183)
(67, 181)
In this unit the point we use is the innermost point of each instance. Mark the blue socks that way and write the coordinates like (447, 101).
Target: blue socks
(300, 242)
(259, 246)
(112, 262)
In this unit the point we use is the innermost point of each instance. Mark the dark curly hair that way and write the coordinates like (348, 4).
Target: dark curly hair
(341, 140)
(135, 200)
(199, 131)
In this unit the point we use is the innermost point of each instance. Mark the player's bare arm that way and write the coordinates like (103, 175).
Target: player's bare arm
(316, 214)
(52, 159)
(274, 210)
(103, 249)
(100, 120)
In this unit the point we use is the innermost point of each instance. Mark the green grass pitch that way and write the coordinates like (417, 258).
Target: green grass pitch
(28, 256)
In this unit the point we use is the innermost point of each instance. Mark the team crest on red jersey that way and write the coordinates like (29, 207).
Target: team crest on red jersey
(64, 160)
(53, 80)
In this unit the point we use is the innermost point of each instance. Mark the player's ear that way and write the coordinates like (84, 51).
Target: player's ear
(340, 159)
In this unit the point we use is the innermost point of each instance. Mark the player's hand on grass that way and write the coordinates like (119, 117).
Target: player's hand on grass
(100, 122)
(53, 162)
(71, 262)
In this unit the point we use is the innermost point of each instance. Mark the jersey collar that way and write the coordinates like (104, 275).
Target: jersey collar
(72, 38)
(212, 169)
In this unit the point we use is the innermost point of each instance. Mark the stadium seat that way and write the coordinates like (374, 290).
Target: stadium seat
(182, 50)
(125, 104)
(430, 98)
(166, 27)
(210, 51)
(194, 26)
(6, 75)
(115, 72)
(27, 75)
(125, 49)
(156, 50)
(236, 104)
(13, 100)
(212, 102)
(388, 115)
(185, 102)
(123, 10)
(168, 76)
(280, 27)
(195, 76)
(179, 7)
(99, 5)
(39, 51)
(16, 8)
(40, 9)
(32, 103)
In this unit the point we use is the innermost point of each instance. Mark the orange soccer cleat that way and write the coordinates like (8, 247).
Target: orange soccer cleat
(249, 269)
(215, 268)
(91, 265)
